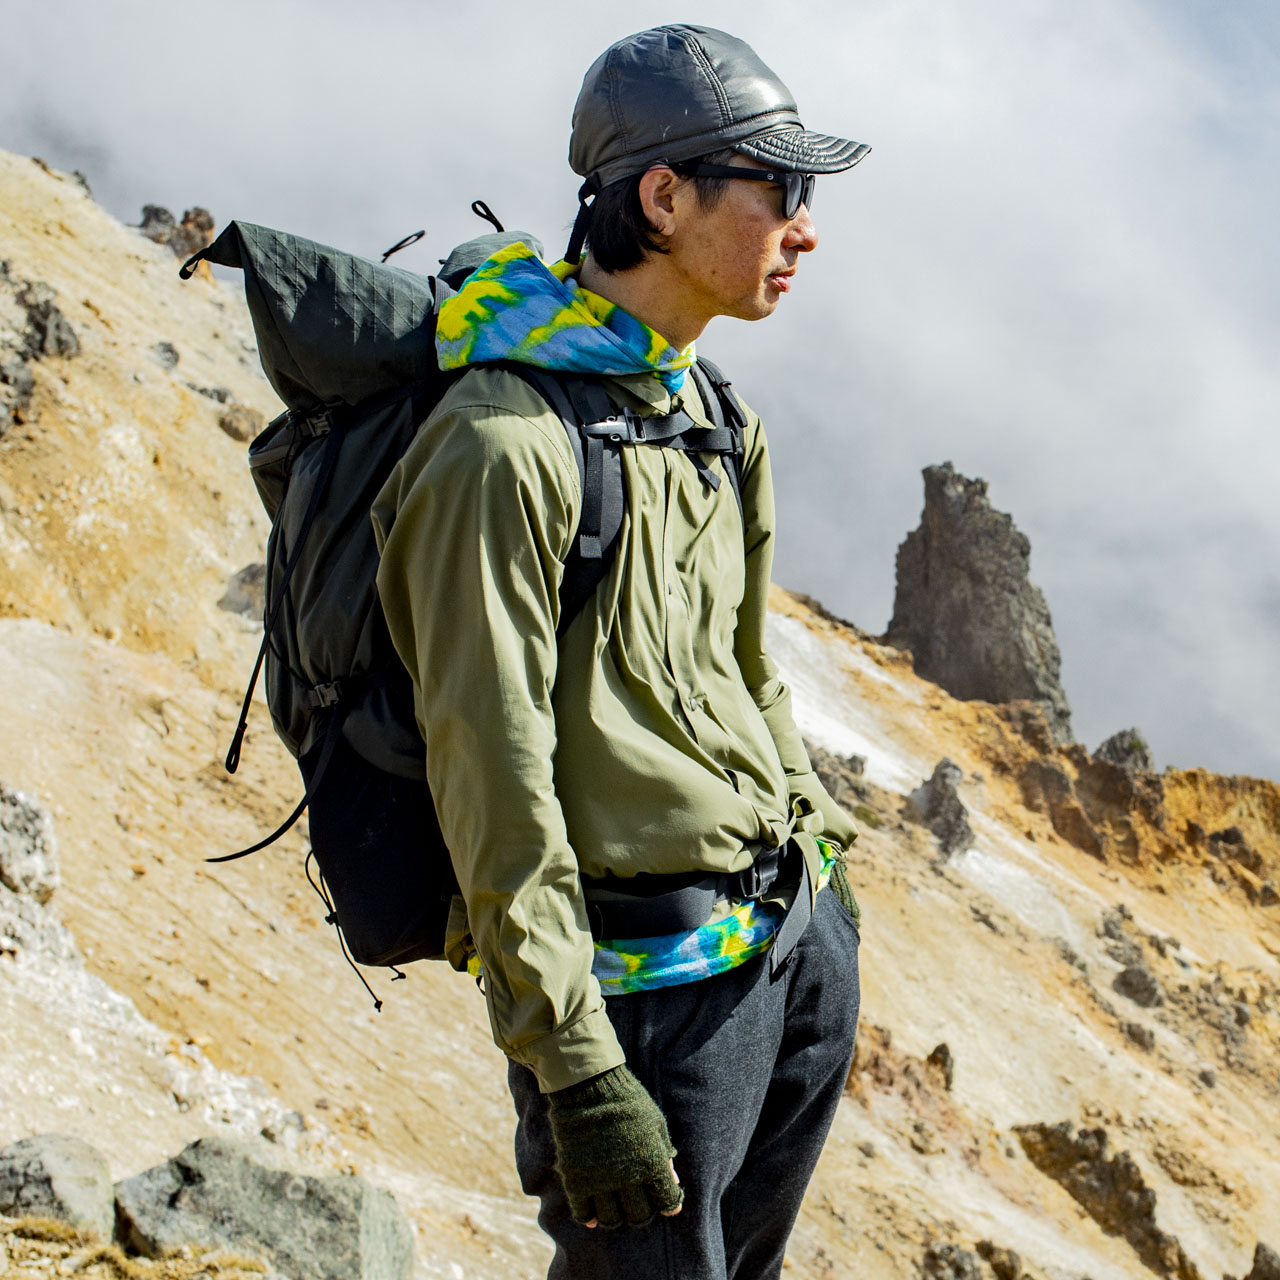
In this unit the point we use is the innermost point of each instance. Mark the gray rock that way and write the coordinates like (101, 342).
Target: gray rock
(55, 1176)
(216, 1194)
(1005, 1263)
(966, 608)
(221, 394)
(842, 776)
(1139, 984)
(1266, 1263)
(246, 592)
(49, 332)
(31, 327)
(194, 232)
(1129, 750)
(241, 422)
(28, 928)
(165, 355)
(28, 850)
(17, 384)
(157, 223)
(936, 804)
(951, 1262)
(1142, 1036)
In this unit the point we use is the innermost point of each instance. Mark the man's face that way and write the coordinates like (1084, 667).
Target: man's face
(738, 257)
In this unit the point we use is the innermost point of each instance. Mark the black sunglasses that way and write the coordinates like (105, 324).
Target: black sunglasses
(798, 186)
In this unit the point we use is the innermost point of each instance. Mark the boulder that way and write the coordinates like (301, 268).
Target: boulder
(936, 804)
(49, 332)
(1111, 1189)
(241, 421)
(246, 592)
(1266, 1264)
(965, 605)
(55, 1176)
(157, 223)
(216, 1194)
(192, 234)
(1004, 1263)
(28, 851)
(1139, 984)
(950, 1262)
(1129, 750)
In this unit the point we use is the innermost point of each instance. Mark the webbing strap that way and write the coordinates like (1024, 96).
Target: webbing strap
(794, 923)
(592, 499)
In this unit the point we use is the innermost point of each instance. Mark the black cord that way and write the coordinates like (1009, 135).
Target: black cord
(482, 210)
(332, 918)
(412, 238)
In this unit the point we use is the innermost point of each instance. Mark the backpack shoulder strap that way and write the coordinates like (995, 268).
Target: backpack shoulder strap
(579, 403)
(725, 410)
(584, 408)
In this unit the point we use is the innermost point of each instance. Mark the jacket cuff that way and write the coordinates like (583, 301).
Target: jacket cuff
(574, 1053)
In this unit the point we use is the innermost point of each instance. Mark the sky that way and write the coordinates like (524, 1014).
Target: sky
(1057, 269)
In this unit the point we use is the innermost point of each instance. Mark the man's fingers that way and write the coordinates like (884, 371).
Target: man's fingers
(609, 1213)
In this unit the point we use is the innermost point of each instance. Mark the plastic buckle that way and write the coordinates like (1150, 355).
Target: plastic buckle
(626, 427)
(316, 424)
(324, 695)
(757, 878)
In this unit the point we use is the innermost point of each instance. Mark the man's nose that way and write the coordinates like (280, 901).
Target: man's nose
(802, 234)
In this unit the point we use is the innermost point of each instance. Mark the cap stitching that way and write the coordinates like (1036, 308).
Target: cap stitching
(614, 100)
(699, 55)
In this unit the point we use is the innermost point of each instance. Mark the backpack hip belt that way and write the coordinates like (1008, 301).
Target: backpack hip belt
(647, 906)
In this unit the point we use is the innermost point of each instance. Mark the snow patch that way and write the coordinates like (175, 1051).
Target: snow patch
(1019, 891)
(830, 712)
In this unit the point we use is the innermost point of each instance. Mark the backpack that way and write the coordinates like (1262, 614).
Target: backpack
(349, 346)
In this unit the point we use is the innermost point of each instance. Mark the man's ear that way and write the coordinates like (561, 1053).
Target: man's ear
(658, 187)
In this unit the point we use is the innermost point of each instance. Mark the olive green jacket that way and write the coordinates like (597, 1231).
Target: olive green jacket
(656, 737)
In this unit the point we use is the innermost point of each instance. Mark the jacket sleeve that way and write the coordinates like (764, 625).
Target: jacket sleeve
(474, 526)
(759, 671)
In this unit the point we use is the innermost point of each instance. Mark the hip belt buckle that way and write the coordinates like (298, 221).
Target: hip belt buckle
(756, 879)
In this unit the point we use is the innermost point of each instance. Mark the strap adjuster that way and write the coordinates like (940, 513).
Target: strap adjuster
(755, 880)
(324, 695)
(626, 427)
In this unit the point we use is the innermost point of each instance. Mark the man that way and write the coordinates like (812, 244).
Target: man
(675, 1081)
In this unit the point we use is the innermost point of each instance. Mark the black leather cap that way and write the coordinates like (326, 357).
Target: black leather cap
(676, 92)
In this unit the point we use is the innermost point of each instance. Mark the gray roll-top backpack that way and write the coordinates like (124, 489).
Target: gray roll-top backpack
(349, 346)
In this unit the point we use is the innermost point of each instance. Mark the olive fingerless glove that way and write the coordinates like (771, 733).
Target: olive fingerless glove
(613, 1151)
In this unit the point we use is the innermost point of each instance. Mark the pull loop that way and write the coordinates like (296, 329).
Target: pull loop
(582, 223)
(482, 210)
(412, 238)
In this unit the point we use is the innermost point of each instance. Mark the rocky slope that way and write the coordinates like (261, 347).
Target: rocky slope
(1070, 1023)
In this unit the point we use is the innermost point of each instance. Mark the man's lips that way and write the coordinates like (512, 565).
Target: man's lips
(781, 280)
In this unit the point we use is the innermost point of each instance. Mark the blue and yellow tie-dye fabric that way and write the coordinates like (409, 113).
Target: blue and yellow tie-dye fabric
(516, 307)
(624, 966)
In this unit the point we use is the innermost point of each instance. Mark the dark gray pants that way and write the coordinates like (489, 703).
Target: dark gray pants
(748, 1071)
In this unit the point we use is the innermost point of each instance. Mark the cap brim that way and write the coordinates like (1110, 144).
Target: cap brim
(804, 151)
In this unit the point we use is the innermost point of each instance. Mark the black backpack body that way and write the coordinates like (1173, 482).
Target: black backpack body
(349, 345)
